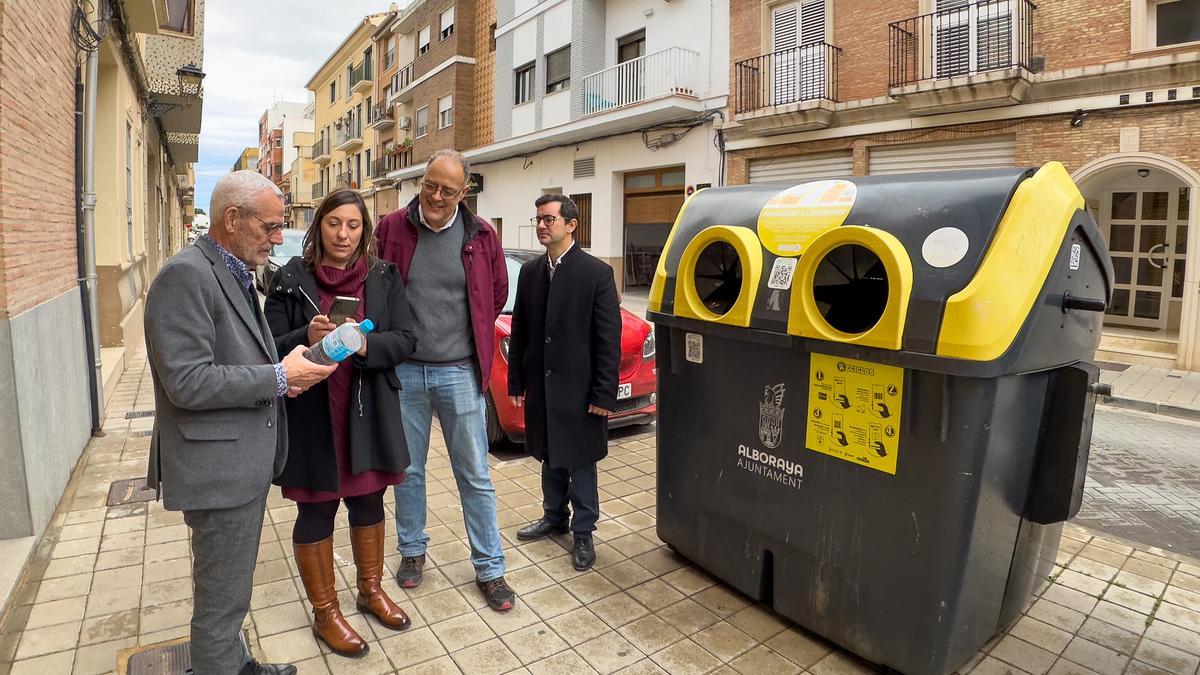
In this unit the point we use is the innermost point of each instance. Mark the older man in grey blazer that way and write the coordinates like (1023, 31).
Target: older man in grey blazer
(220, 432)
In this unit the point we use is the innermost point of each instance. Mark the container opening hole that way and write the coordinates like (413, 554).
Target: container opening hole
(850, 286)
(718, 277)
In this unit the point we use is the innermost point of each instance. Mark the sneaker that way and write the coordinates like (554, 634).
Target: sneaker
(499, 596)
(409, 574)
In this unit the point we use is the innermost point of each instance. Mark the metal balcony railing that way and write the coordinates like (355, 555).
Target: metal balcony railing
(805, 73)
(318, 190)
(382, 114)
(344, 180)
(972, 38)
(360, 73)
(351, 130)
(669, 72)
(321, 147)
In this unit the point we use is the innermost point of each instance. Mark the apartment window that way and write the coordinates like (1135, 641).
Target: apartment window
(558, 70)
(387, 91)
(631, 46)
(389, 57)
(1173, 22)
(447, 23)
(523, 84)
(279, 142)
(583, 233)
(422, 121)
(423, 41)
(349, 80)
(370, 170)
(333, 91)
(180, 17)
(445, 111)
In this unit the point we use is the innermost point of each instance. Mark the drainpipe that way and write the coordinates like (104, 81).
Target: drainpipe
(85, 180)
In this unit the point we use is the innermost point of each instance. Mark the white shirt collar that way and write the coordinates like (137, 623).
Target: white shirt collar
(555, 263)
(448, 225)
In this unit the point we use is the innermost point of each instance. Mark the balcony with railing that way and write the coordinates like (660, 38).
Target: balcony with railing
(288, 199)
(975, 55)
(344, 179)
(320, 151)
(318, 191)
(381, 116)
(792, 89)
(380, 167)
(361, 78)
(349, 136)
(671, 72)
(403, 81)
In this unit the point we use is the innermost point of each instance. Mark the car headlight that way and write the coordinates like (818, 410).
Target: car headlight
(504, 348)
(648, 346)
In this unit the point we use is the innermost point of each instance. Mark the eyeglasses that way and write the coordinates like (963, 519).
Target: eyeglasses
(269, 228)
(446, 192)
(546, 220)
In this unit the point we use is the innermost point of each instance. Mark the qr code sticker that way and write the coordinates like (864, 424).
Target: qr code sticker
(781, 274)
(1076, 250)
(694, 351)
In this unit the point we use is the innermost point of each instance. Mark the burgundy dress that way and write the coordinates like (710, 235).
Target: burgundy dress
(332, 282)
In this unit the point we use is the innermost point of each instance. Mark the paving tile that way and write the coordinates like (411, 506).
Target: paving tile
(1081, 582)
(412, 647)
(281, 618)
(655, 594)
(1099, 570)
(53, 663)
(1182, 597)
(1139, 583)
(441, 606)
(109, 628)
(1121, 641)
(162, 617)
(650, 634)
(563, 662)
(551, 602)
(1170, 634)
(487, 658)
(626, 574)
(1041, 634)
(42, 641)
(993, 666)
(518, 617)
(644, 667)
(688, 616)
(1093, 656)
(685, 658)
(589, 587)
(618, 609)
(757, 622)
(1024, 655)
(534, 643)
(64, 587)
(1168, 658)
(609, 652)
(100, 603)
(577, 626)
(100, 658)
(119, 577)
(65, 567)
(1056, 615)
(763, 659)
(688, 581)
(462, 631)
(294, 645)
(724, 641)
(1121, 617)
(838, 663)
(56, 612)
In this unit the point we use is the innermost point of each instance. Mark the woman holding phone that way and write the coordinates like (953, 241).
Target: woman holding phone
(345, 436)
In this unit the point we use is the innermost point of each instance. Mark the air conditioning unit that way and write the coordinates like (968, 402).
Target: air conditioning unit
(405, 123)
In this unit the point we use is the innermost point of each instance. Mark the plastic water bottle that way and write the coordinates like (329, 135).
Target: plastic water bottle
(340, 343)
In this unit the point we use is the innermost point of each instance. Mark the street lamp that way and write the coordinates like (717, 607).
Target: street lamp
(191, 80)
(189, 87)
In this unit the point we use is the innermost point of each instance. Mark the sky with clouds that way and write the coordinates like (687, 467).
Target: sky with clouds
(258, 52)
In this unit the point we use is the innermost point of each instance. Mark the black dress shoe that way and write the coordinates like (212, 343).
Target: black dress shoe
(540, 530)
(584, 555)
(253, 667)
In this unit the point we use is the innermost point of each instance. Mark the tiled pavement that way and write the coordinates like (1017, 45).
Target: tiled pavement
(1156, 390)
(105, 579)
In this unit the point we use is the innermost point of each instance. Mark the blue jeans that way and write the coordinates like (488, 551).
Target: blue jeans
(455, 394)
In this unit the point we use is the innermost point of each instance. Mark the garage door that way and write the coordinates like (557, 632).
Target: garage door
(982, 153)
(802, 168)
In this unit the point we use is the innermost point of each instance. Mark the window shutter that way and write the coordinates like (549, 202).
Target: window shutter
(812, 22)
(783, 28)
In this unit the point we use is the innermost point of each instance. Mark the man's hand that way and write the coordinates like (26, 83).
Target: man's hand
(318, 328)
(597, 410)
(302, 373)
(517, 401)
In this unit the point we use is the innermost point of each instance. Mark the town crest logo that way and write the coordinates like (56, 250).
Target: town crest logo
(770, 415)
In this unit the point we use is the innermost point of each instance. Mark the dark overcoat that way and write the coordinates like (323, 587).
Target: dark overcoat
(564, 354)
(376, 430)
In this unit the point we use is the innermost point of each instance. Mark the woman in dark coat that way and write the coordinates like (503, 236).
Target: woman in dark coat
(345, 436)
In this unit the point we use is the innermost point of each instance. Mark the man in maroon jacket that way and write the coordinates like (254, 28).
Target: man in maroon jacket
(457, 283)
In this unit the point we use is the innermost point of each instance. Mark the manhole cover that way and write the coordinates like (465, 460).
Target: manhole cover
(129, 491)
(139, 413)
(164, 658)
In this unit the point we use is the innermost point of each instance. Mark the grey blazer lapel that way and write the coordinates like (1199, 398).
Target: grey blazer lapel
(233, 293)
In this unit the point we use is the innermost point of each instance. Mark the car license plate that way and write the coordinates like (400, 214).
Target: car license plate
(624, 390)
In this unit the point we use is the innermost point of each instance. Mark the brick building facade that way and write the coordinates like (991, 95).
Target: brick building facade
(1110, 88)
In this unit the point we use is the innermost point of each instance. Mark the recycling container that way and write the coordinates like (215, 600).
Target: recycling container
(875, 398)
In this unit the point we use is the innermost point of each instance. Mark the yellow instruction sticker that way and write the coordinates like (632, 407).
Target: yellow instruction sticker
(789, 222)
(854, 411)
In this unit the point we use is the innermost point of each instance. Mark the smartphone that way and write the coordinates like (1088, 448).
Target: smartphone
(343, 308)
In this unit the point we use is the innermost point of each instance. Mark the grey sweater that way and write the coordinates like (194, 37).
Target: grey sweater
(437, 293)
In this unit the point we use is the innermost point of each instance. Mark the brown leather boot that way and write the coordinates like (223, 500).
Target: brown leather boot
(316, 570)
(367, 543)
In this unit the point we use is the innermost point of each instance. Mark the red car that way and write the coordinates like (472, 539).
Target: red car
(637, 400)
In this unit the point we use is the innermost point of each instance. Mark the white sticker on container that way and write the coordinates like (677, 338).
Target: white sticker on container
(781, 274)
(694, 348)
(1076, 251)
(945, 247)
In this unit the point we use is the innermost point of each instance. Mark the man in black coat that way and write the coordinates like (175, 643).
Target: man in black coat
(563, 355)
